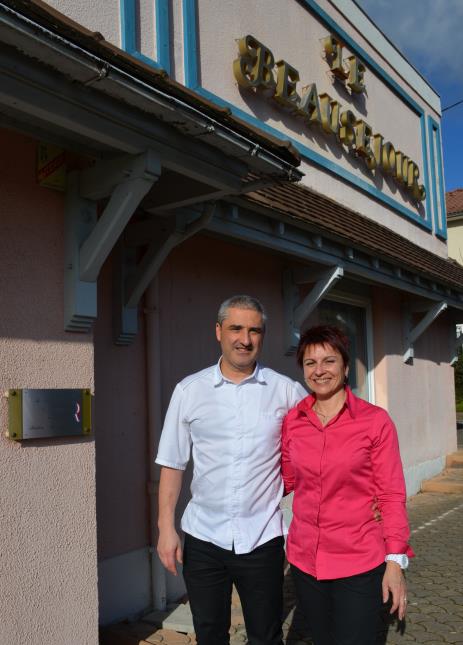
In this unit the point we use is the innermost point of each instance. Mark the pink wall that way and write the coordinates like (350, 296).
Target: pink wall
(48, 590)
(420, 397)
(121, 439)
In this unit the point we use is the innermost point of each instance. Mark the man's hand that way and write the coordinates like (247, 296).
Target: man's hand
(394, 584)
(170, 549)
(169, 545)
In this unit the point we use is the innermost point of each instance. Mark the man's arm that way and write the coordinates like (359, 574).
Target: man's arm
(169, 545)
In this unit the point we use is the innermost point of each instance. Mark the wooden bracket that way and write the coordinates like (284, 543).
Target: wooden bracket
(412, 334)
(295, 311)
(132, 279)
(90, 239)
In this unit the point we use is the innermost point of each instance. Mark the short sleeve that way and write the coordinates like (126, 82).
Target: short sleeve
(296, 394)
(175, 444)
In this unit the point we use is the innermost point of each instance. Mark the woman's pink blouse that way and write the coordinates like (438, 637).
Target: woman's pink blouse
(336, 472)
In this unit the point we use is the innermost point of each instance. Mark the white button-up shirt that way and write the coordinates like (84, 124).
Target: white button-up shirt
(234, 430)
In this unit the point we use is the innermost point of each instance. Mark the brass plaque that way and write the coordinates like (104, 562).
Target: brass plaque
(44, 414)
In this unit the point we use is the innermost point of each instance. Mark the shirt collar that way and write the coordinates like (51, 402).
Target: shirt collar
(257, 375)
(350, 403)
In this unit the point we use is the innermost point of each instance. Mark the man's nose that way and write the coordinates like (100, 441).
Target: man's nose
(245, 337)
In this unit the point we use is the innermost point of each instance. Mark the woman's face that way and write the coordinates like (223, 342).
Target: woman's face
(324, 370)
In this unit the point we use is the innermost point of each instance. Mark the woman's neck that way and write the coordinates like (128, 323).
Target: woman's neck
(330, 405)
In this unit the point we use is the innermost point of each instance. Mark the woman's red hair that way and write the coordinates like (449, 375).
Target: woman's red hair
(324, 335)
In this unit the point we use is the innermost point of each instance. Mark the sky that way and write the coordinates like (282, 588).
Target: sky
(430, 35)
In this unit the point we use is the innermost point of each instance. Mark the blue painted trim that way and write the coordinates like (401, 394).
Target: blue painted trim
(191, 66)
(128, 12)
(424, 149)
(163, 34)
(443, 229)
(440, 219)
(433, 175)
(190, 44)
(128, 23)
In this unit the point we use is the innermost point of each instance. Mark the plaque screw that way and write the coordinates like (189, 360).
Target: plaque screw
(13, 392)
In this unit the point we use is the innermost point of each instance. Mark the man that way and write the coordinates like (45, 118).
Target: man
(230, 415)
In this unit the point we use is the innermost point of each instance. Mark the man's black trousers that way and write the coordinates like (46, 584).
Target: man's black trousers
(344, 611)
(210, 572)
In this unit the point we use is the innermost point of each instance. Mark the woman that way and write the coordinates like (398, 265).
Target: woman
(339, 453)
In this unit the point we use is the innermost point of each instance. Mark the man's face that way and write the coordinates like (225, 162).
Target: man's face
(240, 336)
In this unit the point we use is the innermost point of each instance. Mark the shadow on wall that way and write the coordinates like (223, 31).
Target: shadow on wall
(389, 311)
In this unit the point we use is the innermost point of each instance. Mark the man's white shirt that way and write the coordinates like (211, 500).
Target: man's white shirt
(234, 433)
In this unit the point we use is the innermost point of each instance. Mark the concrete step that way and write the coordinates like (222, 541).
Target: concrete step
(455, 460)
(450, 481)
(178, 619)
(142, 633)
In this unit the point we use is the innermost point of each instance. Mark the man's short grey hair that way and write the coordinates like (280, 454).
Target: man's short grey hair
(240, 302)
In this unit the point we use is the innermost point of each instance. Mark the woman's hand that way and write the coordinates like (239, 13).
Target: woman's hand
(394, 584)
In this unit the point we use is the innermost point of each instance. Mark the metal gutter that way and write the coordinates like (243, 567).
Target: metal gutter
(103, 69)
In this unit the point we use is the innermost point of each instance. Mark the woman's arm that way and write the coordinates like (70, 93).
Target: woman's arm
(287, 471)
(390, 486)
(391, 493)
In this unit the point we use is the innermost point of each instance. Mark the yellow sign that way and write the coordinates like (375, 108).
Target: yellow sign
(51, 166)
(256, 69)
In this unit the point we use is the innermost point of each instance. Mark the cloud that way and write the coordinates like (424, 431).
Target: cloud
(427, 32)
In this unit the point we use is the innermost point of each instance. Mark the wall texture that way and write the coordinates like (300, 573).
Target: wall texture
(48, 590)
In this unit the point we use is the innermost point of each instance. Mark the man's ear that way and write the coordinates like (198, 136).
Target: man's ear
(218, 331)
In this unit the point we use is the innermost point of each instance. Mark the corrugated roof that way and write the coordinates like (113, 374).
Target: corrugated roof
(329, 217)
(454, 202)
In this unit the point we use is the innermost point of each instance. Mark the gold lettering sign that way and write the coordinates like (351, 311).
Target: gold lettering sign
(329, 111)
(254, 65)
(352, 72)
(309, 107)
(255, 69)
(285, 92)
(333, 52)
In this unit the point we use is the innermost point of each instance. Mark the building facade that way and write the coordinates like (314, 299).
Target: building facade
(454, 203)
(159, 157)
